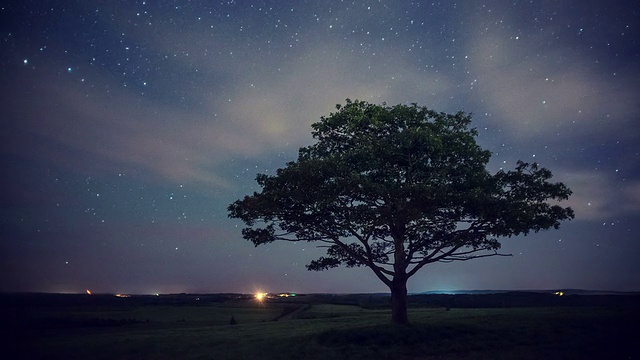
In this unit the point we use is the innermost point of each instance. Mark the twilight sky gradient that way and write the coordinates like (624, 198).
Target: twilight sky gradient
(129, 126)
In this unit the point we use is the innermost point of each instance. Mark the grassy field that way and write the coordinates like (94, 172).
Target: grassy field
(317, 331)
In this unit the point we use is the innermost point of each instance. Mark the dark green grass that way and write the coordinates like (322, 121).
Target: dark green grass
(550, 333)
(325, 331)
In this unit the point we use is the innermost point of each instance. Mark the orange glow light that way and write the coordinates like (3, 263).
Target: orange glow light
(88, 291)
(260, 296)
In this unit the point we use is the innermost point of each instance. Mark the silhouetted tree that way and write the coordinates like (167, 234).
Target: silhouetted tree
(397, 188)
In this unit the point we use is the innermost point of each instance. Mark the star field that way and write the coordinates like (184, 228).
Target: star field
(128, 127)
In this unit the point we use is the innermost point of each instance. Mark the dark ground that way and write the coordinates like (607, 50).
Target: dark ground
(506, 325)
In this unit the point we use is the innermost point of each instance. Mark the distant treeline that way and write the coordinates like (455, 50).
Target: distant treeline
(55, 300)
(521, 299)
(367, 301)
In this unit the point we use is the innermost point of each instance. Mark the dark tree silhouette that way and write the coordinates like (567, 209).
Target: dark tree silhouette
(397, 188)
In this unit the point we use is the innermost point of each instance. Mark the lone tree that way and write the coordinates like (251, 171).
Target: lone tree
(397, 188)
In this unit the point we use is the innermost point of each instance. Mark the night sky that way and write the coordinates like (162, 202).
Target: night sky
(129, 126)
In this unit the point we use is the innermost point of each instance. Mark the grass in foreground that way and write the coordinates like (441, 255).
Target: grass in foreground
(336, 332)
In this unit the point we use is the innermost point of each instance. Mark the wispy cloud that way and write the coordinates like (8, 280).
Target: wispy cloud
(597, 197)
(536, 90)
(263, 112)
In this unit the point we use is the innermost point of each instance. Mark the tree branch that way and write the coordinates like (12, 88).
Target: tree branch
(456, 257)
(376, 269)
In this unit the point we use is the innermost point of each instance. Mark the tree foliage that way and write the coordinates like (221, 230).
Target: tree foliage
(396, 188)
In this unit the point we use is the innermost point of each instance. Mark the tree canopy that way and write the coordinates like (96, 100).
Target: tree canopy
(396, 188)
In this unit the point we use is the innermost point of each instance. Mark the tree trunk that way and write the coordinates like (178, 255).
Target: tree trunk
(399, 301)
